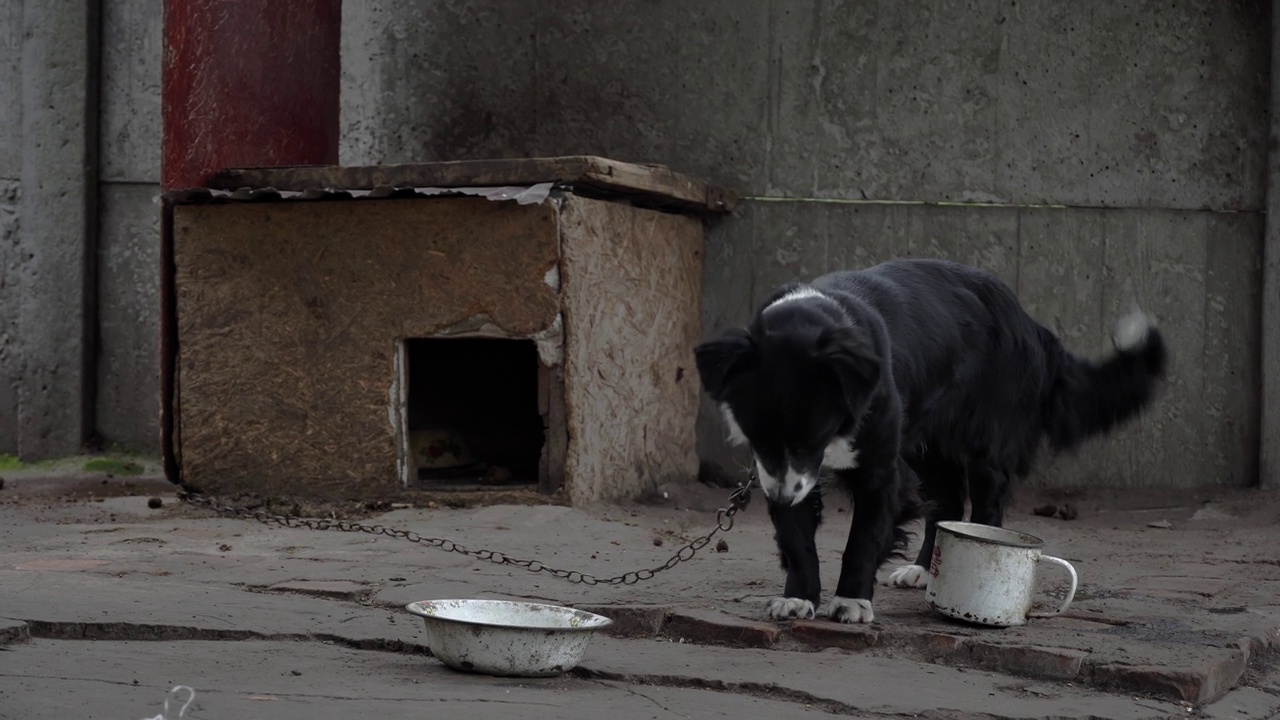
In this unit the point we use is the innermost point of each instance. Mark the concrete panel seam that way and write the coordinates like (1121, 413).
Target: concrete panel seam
(1000, 205)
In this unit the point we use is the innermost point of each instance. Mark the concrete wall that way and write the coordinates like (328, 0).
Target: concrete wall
(1096, 102)
(128, 372)
(10, 197)
(48, 145)
(79, 231)
(1147, 121)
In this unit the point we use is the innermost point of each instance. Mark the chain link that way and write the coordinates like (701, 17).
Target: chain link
(738, 500)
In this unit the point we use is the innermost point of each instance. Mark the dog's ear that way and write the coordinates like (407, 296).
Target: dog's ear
(720, 359)
(852, 358)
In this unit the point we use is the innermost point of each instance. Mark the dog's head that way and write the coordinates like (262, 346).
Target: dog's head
(794, 394)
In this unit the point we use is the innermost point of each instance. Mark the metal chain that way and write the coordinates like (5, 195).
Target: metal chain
(738, 500)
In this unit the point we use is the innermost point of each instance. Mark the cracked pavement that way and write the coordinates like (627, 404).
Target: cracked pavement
(112, 603)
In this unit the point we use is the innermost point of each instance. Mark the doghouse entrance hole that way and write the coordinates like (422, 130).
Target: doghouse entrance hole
(472, 412)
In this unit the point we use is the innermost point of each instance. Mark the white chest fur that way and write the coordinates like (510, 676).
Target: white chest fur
(736, 437)
(840, 454)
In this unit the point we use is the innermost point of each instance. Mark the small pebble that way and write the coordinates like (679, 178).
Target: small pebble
(657, 541)
(295, 673)
(722, 546)
(1046, 510)
(155, 503)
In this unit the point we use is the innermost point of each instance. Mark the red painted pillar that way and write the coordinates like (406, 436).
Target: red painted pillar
(248, 83)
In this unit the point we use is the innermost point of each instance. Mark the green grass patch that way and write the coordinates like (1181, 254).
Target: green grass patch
(10, 462)
(113, 466)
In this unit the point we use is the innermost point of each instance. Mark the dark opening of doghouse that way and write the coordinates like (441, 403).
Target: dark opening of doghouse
(472, 411)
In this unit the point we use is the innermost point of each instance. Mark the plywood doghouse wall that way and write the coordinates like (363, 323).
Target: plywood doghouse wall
(296, 322)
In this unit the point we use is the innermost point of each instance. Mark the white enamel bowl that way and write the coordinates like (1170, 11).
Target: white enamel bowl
(507, 638)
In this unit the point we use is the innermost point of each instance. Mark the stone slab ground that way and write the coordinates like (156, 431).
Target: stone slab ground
(1170, 621)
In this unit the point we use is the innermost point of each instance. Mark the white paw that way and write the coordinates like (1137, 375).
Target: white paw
(784, 608)
(910, 576)
(851, 610)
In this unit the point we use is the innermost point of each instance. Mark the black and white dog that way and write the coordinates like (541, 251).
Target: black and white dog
(910, 375)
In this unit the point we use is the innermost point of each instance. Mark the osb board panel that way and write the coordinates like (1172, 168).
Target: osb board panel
(287, 317)
(632, 294)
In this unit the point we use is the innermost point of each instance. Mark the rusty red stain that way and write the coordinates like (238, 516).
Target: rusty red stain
(248, 83)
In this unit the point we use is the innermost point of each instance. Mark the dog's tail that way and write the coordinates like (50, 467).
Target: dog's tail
(1087, 399)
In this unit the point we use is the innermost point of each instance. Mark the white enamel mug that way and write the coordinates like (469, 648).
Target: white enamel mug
(987, 575)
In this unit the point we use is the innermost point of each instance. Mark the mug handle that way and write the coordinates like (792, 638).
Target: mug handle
(1071, 594)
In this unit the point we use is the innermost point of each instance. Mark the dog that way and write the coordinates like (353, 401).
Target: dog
(895, 382)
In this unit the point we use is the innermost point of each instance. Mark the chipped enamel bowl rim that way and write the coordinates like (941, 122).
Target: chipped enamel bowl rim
(507, 637)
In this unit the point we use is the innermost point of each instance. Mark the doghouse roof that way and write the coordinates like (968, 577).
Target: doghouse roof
(647, 185)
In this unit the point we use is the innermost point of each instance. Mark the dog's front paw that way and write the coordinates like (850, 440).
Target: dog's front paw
(851, 610)
(909, 576)
(785, 608)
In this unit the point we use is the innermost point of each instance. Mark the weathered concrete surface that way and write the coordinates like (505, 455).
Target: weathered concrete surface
(484, 101)
(1096, 103)
(128, 371)
(57, 210)
(131, 46)
(10, 300)
(10, 199)
(128, 404)
(1181, 612)
(727, 260)
(1244, 704)
(1077, 272)
(294, 681)
(703, 105)
(10, 90)
(1269, 462)
(882, 685)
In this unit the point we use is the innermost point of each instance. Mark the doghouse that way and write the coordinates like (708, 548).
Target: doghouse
(367, 332)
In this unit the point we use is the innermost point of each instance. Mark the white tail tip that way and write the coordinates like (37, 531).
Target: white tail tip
(1131, 331)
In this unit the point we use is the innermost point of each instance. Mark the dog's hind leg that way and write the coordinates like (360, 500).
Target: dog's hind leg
(989, 492)
(942, 483)
(795, 529)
